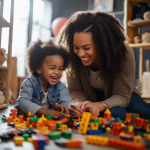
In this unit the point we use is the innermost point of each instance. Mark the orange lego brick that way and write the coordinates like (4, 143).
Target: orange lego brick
(103, 121)
(47, 122)
(64, 120)
(128, 116)
(94, 117)
(73, 143)
(52, 126)
(13, 114)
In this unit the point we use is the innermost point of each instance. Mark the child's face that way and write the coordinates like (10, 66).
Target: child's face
(51, 69)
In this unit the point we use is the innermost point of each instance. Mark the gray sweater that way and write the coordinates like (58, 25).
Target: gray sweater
(117, 93)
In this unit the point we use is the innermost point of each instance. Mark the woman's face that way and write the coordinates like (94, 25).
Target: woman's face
(85, 48)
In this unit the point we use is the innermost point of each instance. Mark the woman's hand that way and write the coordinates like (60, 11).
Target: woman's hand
(75, 110)
(61, 108)
(94, 108)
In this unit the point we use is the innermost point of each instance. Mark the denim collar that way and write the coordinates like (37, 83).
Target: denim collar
(50, 87)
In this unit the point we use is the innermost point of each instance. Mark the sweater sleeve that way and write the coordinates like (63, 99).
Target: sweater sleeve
(123, 84)
(75, 89)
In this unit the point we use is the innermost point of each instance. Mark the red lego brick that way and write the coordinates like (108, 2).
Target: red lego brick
(13, 114)
(128, 116)
(21, 119)
(14, 110)
(10, 119)
(73, 143)
(52, 126)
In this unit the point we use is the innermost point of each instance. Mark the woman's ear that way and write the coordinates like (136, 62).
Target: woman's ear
(38, 70)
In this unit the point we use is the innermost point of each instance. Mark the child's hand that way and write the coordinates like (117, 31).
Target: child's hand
(55, 114)
(61, 108)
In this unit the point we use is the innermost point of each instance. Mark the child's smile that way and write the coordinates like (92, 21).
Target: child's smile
(51, 70)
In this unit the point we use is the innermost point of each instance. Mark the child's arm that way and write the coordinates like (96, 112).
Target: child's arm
(54, 114)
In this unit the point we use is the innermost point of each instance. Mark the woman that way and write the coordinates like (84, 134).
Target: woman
(102, 68)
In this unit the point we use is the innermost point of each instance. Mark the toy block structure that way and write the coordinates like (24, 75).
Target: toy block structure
(107, 114)
(14, 113)
(116, 128)
(84, 122)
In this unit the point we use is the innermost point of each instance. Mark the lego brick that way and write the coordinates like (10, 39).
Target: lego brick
(64, 120)
(84, 122)
(14, 110)
(73, 143)
(54, 136)
(126, 137)
(94, 126)
(63, 127)
(93, 132)
(67, 134)
(18, 140)
(52, 126)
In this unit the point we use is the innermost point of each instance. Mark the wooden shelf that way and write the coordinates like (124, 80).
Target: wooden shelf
(3, 22)
(3, 106)
(2, 67)
(140, 45)
(145, 96)
(143, 23)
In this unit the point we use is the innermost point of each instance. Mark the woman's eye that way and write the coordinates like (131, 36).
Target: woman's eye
(76, 48)
(87, 48)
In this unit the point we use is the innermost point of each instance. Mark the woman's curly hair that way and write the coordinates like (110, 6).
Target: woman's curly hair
(37, 51)
(109, 38)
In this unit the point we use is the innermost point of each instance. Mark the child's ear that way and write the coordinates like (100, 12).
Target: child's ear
(38, 70)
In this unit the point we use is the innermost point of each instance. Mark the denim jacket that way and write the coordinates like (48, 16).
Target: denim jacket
(31, 95)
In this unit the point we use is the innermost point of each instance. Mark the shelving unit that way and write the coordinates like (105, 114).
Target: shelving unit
(133, 29)
(5, 71)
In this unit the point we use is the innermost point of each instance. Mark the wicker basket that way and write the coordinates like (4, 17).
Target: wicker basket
(2, 59)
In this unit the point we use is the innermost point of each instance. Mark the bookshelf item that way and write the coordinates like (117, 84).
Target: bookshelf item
(5, 70)
(133, 29)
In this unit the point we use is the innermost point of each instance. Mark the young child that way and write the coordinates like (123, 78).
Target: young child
(42, 92)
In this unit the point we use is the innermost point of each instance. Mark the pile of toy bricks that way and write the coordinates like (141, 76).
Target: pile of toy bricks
(130, 133)
(39, 130)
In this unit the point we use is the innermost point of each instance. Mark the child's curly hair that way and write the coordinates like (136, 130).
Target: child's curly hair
(108, 36)
(37, 51)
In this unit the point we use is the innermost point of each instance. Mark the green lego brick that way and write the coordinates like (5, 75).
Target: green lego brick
(148, 121)
(59, 124)
(3, 116)
(54, 135)
(100, 124)
(4, 120)
(69, 118)
(134, 126)
(94, 120)
(49, 116)
(67, 134)
(133, 115)
(26, 136)
(119, 119)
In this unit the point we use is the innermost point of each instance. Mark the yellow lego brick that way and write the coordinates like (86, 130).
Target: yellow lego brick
(30, 140)
(84, 122)
(148, 137)
(16, 121)
(44, 128)
(94, 126)
(18, 140)
(40, 121)
(104, 141)
(148, 128)
(29, 113)
(88, 138)
(63, 127)
(137, 139)
(43, 118)
(130, 128)
(107, 111)
(18, 126)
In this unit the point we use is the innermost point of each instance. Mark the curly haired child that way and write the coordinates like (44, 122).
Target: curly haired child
(42, 92)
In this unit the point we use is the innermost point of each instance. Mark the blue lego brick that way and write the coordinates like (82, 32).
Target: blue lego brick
(59, 118)
(131, 121)
(11, 124)
(106, 121)
(41, 143)
(112, 120)
(93, 132)
(116, 119)
(77, 126)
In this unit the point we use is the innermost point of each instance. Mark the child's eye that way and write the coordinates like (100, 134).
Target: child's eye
(87, 48)
(61, 69)
(52, 68)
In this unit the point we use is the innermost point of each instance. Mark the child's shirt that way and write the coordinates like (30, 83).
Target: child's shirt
(32, 98)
